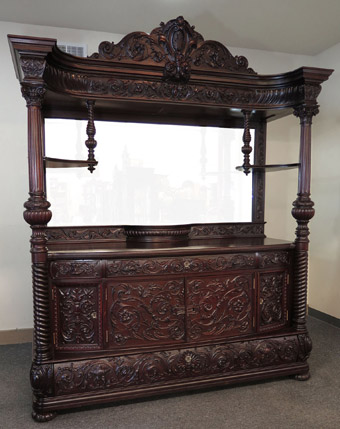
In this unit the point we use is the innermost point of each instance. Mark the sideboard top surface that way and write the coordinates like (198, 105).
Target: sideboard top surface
(191, 247)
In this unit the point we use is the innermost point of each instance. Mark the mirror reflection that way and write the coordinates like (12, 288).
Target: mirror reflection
(147, 174)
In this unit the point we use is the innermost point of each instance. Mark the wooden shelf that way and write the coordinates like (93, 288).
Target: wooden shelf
(270, 167)
(66, 163)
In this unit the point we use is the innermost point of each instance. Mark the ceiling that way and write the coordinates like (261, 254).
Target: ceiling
(293, 26)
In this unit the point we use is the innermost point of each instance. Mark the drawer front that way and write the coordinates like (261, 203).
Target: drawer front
(145, 312)
(77, 316)
(202, 264)
(273, 259)
(75, 269)
(273, 296)
(219, 306)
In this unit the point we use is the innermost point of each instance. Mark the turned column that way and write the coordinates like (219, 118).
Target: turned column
(37, 216)
(302, 211)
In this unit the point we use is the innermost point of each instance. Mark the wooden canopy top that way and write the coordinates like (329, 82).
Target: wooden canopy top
(171, 75)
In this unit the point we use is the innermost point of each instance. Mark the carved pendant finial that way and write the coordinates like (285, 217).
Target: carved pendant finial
(91, 143)
(246, 148)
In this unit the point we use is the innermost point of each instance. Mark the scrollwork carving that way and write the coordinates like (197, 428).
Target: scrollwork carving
(78, 315)
(144, 312)
(272, 300)
(179, 265)
(219, 306)
(231, 230)
(272, 259)
(63, 269)
(83, 234)
(147, 369)
(210, 94)
(178, 47)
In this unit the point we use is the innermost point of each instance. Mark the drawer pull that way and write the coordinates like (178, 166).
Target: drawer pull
(94, 315)
(187, 264)
(261, 301)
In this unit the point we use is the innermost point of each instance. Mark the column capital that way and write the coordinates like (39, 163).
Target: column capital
(33, 93)
(306, 112)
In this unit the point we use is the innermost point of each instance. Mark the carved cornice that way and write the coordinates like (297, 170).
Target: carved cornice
(137, 89)
(176, 46)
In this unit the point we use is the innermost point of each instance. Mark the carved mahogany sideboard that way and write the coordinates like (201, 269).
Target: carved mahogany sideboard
(125, 311)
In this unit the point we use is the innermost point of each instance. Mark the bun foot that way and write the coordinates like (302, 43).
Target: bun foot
(43, 417)
(303, 377)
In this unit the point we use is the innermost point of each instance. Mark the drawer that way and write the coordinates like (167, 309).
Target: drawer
(273, 259)
(75, 269)
(179, 265)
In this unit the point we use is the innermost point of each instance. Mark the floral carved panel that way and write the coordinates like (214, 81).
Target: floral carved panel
(78, 317)
(145, 312)
(273, 300)
(219, 306)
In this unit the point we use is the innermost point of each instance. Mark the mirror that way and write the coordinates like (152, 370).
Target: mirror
(147, 174)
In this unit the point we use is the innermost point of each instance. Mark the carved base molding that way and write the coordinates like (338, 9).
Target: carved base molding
(131, 376)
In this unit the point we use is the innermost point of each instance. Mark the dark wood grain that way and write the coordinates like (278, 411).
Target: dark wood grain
(120, 313)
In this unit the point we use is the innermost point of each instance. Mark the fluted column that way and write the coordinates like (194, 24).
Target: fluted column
(302, 211)
(38, 215)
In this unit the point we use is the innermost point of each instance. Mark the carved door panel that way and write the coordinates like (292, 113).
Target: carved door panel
(272, 303)
(219, 306)
(146, 312)
(77, 316)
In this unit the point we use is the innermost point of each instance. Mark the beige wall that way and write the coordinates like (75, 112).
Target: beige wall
(324, 285)
(283, 137)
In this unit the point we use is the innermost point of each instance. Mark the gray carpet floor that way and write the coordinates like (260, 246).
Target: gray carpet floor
(280, 403)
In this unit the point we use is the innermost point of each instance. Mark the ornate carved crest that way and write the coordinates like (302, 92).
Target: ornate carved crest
(178, 47)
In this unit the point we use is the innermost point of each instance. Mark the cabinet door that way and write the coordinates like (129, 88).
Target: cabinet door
(146, 312)
(219, 306)
(78, 321)
(272, 303)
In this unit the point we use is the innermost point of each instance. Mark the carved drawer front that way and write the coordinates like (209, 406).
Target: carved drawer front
(272, 300)
(219, 306)
(209, 263)
(273, 259)
(75, 269)
(145, 312)
(78, 321)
